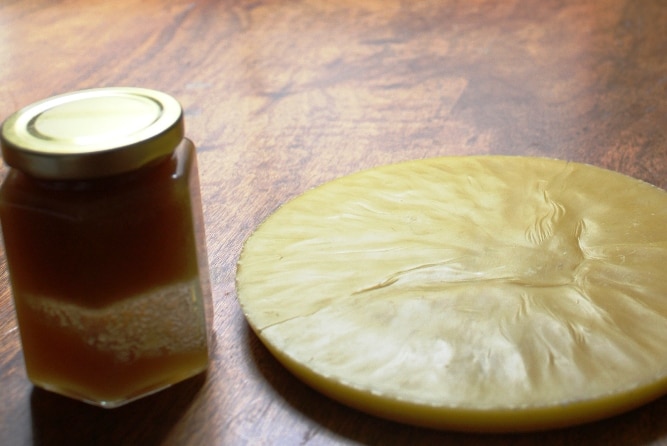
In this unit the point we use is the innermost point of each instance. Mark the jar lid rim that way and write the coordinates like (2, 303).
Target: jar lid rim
(92, 133)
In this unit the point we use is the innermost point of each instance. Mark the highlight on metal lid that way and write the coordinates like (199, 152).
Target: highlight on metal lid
(92, 133)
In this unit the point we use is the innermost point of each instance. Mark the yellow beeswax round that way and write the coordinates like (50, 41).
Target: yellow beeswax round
(487, 293)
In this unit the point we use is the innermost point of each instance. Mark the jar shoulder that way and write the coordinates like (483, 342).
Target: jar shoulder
(167, 179)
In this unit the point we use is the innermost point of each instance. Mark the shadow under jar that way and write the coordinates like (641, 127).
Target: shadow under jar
(103, 231)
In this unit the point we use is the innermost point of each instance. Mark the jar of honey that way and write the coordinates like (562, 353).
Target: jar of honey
(103, 233)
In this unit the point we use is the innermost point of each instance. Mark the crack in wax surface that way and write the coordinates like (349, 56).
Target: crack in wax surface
(481, 293)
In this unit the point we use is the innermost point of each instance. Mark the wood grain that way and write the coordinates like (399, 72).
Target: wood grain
(282, 96)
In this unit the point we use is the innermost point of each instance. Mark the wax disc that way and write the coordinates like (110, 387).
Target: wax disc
(481, 293)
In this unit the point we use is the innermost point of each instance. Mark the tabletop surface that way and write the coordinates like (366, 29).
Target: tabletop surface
(281, 96)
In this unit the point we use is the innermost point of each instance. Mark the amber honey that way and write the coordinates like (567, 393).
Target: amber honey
(109, 277)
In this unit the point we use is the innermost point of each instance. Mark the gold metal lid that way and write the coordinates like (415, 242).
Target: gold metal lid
(92, 133)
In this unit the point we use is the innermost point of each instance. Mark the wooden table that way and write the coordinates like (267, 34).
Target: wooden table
(281, 96)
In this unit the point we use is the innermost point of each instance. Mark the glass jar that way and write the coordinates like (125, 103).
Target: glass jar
(103, 233)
